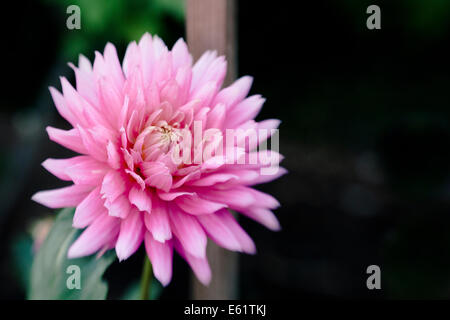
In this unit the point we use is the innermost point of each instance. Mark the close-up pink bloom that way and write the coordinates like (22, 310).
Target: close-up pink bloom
(127, 121)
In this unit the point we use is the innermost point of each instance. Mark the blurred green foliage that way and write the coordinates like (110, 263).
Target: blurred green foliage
(416, 258)
(117, 21)
(134, 290)
(21, 259)
(418, 17)
(49, 270)
(429, 17)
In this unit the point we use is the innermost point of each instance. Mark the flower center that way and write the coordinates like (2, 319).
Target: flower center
(157, 139)
(169, 134)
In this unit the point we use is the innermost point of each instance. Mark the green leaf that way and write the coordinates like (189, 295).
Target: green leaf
(174, 8)
(134, 290)
(22, 258)
(49, 271)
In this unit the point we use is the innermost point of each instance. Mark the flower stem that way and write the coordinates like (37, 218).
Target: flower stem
(146, 279)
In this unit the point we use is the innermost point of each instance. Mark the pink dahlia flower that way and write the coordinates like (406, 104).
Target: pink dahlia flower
(129, 121)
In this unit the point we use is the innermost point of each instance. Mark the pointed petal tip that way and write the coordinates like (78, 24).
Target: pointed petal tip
(82, 57)
(52, 90)
(76, 224)
(251, 250)
(205, 279)
(120, 254)
(35, 197)
(247, 79)
(51, 164)
(41, 197)
(110, 45)
(161, 237)
(179, 41)
(45, 163)
(147, 35)
(72, 253)
(164, 279)
(275, 226)
(277, 121)
(63, 80)
(123, 252)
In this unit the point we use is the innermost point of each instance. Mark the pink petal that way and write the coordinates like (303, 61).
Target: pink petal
(157, 175)
(114, 69)
(258, 160)
(87, 171)
(70, 139)
(200, 67)
(234, 93)
(84, 63)
(152, 96)
(101, 232)
(264, 199)
(157, 222)
(128, 159)
(169, 92)
(57, 167)
(74, 102)
(213, 179)
(216, 117)
(161, 255)
(136, 178)
(246, 135)
(219, 231)
(209, 68)
(86, 115)
(190, 176)
(263, 216)
(164, 59)
(141, 199)
(112, 186)
(61, 106)
(200, 266)
(111, 98)
(265, 130)
(131, 235)
(204, 95)
(69, 196)
(235, 197)
(169, 196)
(188, 231)
(197, 206)
(113, 155)
(213, 163)
(134, 125)
(93, 145)
(131, 58)
(85, 81)
(244, 176)
(89, 209)
(120, 207)
(180, 54)
(223, 228)
(123, 117)
(183, 79)
(143, 56)
(244, 111)
(269, 177)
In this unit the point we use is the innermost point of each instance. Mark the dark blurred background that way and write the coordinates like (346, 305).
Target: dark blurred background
(365, 132)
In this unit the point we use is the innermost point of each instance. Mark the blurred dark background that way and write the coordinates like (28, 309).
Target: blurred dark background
(365, 132)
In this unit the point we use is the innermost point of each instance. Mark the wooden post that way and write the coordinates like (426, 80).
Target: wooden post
(211, 25)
